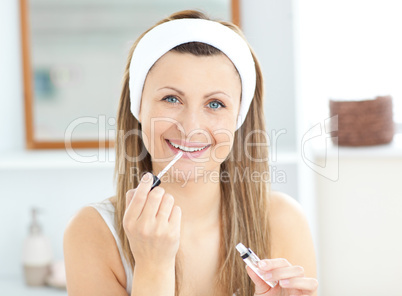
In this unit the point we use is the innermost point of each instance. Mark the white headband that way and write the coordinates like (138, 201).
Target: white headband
(168, 35)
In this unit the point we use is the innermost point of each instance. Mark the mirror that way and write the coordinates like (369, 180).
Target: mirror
(74, 54)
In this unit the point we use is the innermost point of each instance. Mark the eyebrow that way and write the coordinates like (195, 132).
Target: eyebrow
(182, 93)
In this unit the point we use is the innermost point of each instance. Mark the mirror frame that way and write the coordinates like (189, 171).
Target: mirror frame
(31, 143)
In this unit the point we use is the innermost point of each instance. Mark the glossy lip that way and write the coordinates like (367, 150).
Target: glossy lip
(188, 154)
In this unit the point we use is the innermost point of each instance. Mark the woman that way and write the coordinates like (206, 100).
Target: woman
(191, 85)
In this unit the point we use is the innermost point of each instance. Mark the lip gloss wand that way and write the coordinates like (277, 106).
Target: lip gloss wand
(157, 179)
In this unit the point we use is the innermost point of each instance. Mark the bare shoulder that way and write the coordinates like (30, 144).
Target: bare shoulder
(284, 210)
(93, 264)
(290, 232)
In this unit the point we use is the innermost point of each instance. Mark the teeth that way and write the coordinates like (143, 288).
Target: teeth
(186, 149)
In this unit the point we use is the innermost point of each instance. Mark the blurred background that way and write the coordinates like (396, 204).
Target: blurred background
(311, 51)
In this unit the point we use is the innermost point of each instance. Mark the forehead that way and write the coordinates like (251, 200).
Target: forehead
(173, 64)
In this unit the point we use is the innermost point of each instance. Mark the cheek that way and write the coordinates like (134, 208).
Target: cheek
(152, 131)
(224, 139)
(225, 122)
(153, 120)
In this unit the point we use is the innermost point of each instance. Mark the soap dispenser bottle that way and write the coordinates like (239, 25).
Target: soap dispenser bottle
(37, 254)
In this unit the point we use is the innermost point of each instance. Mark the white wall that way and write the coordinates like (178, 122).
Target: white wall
(11, 104)
(57, 192)
(349, 49)
(268, 26)
(359, 221)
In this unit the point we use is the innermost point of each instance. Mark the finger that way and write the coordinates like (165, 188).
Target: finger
(300, 283)
(175, 216)
(140, 196)
(283, 273)
(129, 197)
(294, 292)
(269, 264)
(261, 287)
(153, 202)
(165, 208)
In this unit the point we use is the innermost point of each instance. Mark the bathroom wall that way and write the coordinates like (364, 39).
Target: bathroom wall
(11, 110)
(268, 26)
(58, 191)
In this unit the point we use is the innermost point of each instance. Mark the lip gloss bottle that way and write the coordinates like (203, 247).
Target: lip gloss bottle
(251, 259)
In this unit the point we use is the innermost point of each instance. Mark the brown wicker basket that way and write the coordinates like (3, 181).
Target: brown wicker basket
(362, 123)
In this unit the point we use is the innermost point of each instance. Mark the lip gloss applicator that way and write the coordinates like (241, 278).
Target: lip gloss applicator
(157, 179)
(251, 259)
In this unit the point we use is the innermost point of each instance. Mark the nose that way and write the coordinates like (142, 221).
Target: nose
(192, 123)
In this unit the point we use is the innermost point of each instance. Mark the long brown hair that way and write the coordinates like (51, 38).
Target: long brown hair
(244, 202)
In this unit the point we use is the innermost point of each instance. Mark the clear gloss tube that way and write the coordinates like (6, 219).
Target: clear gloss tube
(251, 259)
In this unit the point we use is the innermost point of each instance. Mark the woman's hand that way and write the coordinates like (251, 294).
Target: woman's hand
(152, 225)
(291, 279)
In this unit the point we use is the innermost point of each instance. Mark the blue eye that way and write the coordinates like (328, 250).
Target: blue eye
(170, 99)
(216, 105)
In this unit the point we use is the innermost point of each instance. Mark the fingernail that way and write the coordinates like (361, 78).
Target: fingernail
(284, 282)
(262, 264)
(146, 177)
(267, 276)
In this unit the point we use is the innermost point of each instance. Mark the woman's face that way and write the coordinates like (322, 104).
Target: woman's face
(190, 103)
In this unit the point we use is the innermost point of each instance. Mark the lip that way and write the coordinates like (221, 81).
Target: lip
(188, 154)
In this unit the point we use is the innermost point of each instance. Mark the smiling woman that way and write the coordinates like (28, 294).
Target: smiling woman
(191, 85)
